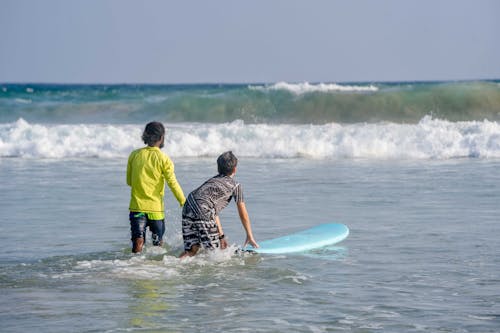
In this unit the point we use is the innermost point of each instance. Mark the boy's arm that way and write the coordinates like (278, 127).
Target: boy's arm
(222, 237)
(129, 171)
(245, 221)
(219, 225)
(171, 180)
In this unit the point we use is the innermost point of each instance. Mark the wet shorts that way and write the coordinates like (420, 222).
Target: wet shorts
(201, 233)
(138, 223)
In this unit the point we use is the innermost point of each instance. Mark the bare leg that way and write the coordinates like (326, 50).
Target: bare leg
(190, 253)
(138, 243)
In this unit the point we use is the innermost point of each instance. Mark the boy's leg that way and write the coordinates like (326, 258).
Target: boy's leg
(137, 245)
(197, 233)
(190, 236)
(190, 253)
(209, 234)
(137, 230)
(157, 228)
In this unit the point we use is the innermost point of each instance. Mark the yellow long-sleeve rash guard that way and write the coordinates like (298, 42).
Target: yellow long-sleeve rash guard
(148, 169)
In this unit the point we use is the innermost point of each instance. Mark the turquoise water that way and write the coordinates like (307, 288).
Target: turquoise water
(291, 103)
(422, 254)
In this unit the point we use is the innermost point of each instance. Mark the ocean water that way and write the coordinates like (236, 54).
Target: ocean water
(420, 196)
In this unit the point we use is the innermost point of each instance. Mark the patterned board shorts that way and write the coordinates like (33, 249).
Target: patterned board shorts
(201, 233)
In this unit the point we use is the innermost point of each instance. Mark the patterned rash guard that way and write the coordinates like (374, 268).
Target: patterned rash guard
(211, 197)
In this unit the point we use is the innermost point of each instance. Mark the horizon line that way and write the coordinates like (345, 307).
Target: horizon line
(247, 82)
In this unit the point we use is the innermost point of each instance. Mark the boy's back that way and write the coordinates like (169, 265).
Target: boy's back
(214, 195)
(147, 169)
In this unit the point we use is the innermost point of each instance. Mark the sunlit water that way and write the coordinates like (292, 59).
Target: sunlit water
(422, 256)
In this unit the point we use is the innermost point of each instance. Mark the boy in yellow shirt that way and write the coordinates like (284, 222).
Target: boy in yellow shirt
(148, 169)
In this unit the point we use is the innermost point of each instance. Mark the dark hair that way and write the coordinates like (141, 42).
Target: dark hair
(226, 163)
(153, 133)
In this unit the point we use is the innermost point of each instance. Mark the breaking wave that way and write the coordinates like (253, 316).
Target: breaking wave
(428, 139)
(306, 87)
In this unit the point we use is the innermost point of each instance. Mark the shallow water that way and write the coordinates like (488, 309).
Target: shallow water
(422, 254)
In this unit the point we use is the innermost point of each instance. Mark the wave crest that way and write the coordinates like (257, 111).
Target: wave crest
(306, 87)
(428, 139)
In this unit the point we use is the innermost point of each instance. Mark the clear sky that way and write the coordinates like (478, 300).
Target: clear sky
(232, 41)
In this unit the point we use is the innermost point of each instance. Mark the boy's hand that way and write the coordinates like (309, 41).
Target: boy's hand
(251, 241)
(223, 244)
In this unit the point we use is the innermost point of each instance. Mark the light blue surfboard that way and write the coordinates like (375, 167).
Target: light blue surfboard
(315, 237)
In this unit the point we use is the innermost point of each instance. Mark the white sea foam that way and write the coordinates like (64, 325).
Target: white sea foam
(138, 267)
(21, 139)
(305, 87)
(153, 264)
(23, 101)
(429, 139)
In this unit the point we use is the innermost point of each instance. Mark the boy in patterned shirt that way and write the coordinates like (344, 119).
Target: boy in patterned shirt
(200, 216)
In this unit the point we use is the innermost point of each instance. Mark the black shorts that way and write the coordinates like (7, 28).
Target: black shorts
(138, 223)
